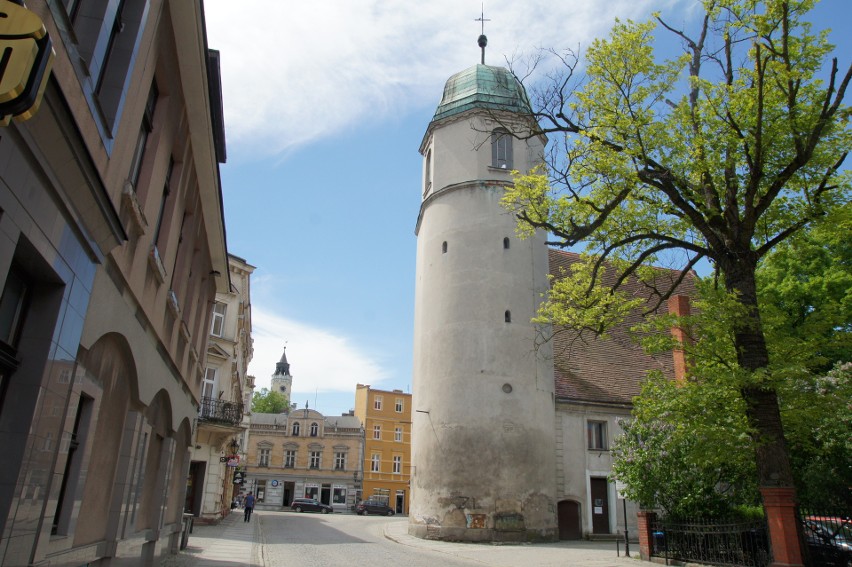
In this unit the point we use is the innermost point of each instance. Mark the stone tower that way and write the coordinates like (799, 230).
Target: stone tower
(282, 382)
(484, 462)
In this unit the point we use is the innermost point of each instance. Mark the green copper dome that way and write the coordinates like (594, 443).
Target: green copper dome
(482, 86)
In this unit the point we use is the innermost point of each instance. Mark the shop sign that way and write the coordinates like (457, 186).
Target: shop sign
(26, 58)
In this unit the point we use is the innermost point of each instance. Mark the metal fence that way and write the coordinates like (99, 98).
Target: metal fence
(827, 537)
(216, 410)
(713, 542)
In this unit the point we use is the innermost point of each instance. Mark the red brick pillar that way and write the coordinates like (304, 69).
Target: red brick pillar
(780, 506)
(646, 536)
(679, 305)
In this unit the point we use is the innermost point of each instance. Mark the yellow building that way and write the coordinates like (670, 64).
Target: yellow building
(386, 416)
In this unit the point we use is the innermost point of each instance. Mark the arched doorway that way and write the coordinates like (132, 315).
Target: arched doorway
(568, 515)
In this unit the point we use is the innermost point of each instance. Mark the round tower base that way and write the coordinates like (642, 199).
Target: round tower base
(482, 535)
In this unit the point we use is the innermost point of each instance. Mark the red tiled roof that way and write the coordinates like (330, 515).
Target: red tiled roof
(590, 369)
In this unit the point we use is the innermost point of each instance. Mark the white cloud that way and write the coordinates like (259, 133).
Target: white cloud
(320, 361)
(295, 72)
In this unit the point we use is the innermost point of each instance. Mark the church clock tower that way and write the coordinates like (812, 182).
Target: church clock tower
(282, 382)
(484, 464)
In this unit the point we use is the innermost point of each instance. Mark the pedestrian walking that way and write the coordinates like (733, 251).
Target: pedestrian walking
(249, 506)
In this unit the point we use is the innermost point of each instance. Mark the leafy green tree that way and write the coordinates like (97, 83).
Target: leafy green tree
(805, 288)
(267, 401)
(685, 451)
(718, 155)
(701, 465)
(818, 419)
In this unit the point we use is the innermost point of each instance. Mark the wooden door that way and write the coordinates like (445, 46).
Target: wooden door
(600, 505)
(568, 515)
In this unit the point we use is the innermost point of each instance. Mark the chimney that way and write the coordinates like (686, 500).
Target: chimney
(679, 305)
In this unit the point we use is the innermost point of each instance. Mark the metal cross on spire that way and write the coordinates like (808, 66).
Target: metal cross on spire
(482, 41)
(482, 18)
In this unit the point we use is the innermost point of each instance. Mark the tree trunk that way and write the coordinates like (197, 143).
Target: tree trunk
(775, 476)
(762, 410)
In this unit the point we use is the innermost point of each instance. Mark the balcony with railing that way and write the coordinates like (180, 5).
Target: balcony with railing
(218, 411)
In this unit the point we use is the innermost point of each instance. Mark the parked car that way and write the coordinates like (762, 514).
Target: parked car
(310, 505)
(829, 539)
(365, 507)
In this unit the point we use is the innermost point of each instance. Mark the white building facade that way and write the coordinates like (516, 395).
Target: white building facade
(226, 391)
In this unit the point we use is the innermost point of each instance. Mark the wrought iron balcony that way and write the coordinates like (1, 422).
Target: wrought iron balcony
(215, 410)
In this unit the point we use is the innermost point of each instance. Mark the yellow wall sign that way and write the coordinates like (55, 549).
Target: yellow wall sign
(26, 57)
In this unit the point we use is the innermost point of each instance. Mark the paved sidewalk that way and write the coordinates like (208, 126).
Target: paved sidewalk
(230, 542)
(577, 553)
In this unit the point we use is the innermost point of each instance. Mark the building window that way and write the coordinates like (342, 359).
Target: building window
(142, 139)
(163, 202)
(315, 459)
(375, 461)
(501, 149)
(217, 326)
(208, 393)
(340, 461)
(397, 464)
(444, 247)
(113, 70)
(296, 429)
(314, 429)
(339, 495)
(13, 306)
(377, 402)
(377, 431)
(73, 467)
(596, 431)
(428, 172)
(506, 243)
(289, 459)
(397, 434)
(507, 316)
(263, 457)
(399, 405)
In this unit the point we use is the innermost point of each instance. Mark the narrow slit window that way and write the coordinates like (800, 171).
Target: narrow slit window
(508, 316)
(506, 243)
(444, 247)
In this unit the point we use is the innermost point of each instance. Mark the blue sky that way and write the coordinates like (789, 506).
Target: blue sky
(325, 109)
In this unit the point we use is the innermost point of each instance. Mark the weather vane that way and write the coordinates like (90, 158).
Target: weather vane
(482, 41)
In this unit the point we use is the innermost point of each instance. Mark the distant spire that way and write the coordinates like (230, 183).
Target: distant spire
(282, 367)
(482, 41)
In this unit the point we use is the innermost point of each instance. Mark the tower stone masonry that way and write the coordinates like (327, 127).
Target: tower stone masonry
(483, 388)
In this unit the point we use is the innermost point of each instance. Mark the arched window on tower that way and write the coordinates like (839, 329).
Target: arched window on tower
(427, 183)
(508, 316)
(501, 149)
(314, 429)
(296, 429)
(444, 247)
